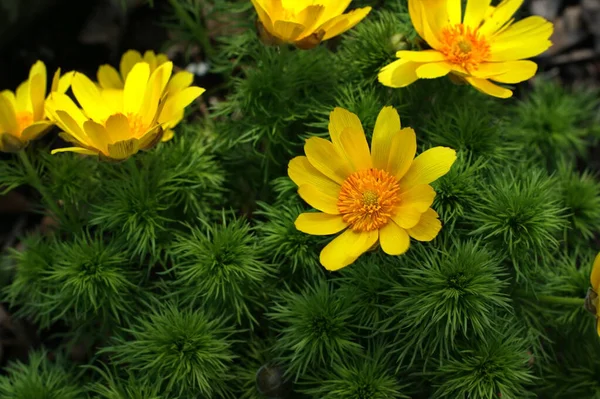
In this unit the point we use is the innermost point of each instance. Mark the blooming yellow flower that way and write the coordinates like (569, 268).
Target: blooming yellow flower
(118, 124)
(305, 23)
(481, 47)
(378, 195)
(22, 114)
(110, 80)
(595, 282)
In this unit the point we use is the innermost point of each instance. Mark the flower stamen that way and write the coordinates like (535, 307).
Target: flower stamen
(464, 47)
(368, 199)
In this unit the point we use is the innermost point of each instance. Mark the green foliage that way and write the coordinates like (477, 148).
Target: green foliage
(373, 43)
(40, 379)
(554, 123)
(111, 388)
(581, 198)
(444, 298)
(185, 349)
(493, 367)
(314, 328)
(522, 213)
(219, 267)
(365, 376)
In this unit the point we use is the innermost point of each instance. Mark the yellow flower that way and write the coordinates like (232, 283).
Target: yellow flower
(378, 195)
(109, 79)
(481, 47)
(595, 282)
(117, 124)
(305, 23)
(22, 114)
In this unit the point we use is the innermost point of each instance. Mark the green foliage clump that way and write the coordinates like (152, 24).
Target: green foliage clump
(185, 349)
(314, 328)
(39, 378)
(219, 267)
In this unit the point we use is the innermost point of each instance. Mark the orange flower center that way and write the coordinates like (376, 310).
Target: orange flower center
(24, 119)
(465, 47)
(368, 199)
(137, 128)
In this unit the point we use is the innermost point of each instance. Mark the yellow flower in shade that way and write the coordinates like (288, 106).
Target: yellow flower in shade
(378, 195)
(592, 298)
(118, 124)
(22, 114)
(110, 80)
(305, 23)
(481, 47)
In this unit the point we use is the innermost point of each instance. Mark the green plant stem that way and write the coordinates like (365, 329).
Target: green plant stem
(36, 182)
(199, 30)
(560, 300)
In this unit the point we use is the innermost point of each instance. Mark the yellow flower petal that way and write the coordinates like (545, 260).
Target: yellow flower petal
(530, 27)
(123, 149)
(180, 81)
(428, 167)
(393, 239)
(37, 89)
(475, 12)
(176, 103)
(487, 87)
(324, 156)
(302, 172)
(402, 152)
(60, 84)
(167, 135)
(135, 87)
(97, 136)
(23, 98)
(406, 216)
(59, 101)
(340, 119)
(346, 248)
(333, 8)
(35, 130)
(428, 227)
(340, 24)
(418, 15)
(263, 16)
(10, 96)
(287, 31)
(454, 10)
(66, 122)
(309, 18)
(128, 60)
(150, 58)
(155, 89)
(399, 73)
(78, 150)
(518, 71)
(595, 275)
(117, 128)
(419, 197)
(500, 16)
(89, 98)
(387, 126)
(421, 56)
(433, 70)
(109, 78)
(319, 224)
(320, 198)
(8, 117)
(355, 146)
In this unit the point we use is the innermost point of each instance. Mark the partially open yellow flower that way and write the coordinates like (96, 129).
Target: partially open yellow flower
(378, 195)
(480, 47)
(117, 124)
(22, 114)
(305, 23)
(595, 282)
(109, 79)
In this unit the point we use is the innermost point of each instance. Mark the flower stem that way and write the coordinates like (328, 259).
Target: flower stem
(36, 182)
(560, 300)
